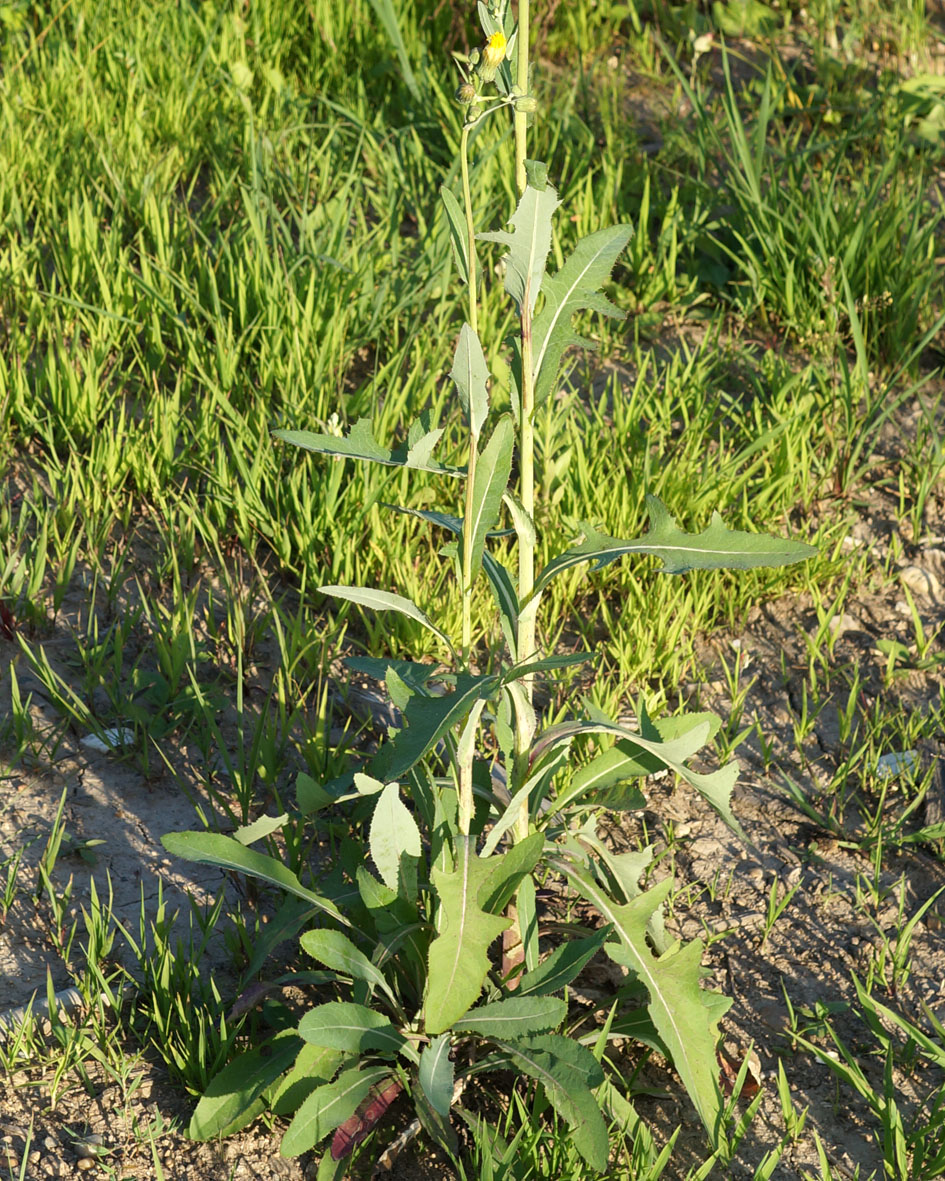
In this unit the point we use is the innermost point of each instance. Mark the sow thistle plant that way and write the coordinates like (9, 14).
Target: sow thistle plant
(430, 948)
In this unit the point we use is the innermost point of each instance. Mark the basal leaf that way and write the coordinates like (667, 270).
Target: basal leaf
(354, 1029)
(329, 1106)
(458, 959)
(314, 1067)
(568, 1074)
(685, 1015)
(514, 1017)
(714, 548)
(528, 244)
(213, 848)
(470, 375)
(574, 288)
(436, 1074)
(493, 468)
(337, 952)
(236, 1095)
(377, 600)
(393, 836)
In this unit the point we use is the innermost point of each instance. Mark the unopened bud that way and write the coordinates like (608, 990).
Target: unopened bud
(527, 104)
(473, 113)
(466, 94)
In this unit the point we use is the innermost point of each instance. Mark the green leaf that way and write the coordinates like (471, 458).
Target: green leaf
(377, 600)
(545, 664)
(360, 443)
(354, 1029)
(458, 958)
(715, 787)
(514, 1017)
(387, 14)
(714, 548)
(505, 596)
(394, 835)
(493, 468)
(563, 965)
(212, 848)
(458, 232)
(574, 288)
(337, 952)
(314, 1066)
(685, 1015)
(236, 1095)
(428, 719)
(508, 870)
(568, 1074)
(528, 245)
(470, 374)
(328, 1107)
(247, 834)
(309, 795)
(436, 1074)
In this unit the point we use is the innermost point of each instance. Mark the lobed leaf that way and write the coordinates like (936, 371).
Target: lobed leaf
(528, 244)
(360, 443)
(574, 288)
(716, 547)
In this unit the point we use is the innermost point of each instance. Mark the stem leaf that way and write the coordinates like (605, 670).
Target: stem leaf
(378, 600)
(528, 245)
(470, 375)
(493, 469)
(360, 443)
(394, 835)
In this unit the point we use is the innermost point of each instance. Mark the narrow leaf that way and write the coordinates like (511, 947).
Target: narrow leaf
(528, 244)
(394, 835)
(212, 848)
(360, 443)
(458, 238)
(574, 288)
(436, 1074)
(505, 597)
(514, 1017)
(470, 374)
(492, 477)
(314, 1067)
(563, 965)
(376, 600)
(329, 1106)
(714, 548)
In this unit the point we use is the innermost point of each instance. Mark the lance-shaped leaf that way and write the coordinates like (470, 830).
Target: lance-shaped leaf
(436, 1074)
(470, 375)
(568, 1073)
(574, 288)
(377, 600)
(360, 443)
(714, 548)
(715, 787)
(336, 951)
(428, 720)
(528, 244)
(236, 1095)
(458, 233)
(214, 848)
(505, 596)
(514, 1017)
(459, 958)
(493, 468)
(329, 1106)
(563, 965)
(394, 835)
(685, 1015)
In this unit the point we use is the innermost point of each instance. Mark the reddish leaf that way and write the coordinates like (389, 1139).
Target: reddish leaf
(362, 1123)
(7, 624)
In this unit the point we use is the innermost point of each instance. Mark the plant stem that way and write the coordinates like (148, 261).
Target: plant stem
(466, 762)
(525, 640)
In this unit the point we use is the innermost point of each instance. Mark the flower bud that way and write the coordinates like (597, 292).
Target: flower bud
(466, 94)
(526, 103)
(473, 113)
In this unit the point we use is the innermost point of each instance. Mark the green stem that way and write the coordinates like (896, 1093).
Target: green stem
(526, 550)
(466, 763)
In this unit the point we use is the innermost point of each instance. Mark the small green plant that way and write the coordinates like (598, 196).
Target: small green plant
(476, 797)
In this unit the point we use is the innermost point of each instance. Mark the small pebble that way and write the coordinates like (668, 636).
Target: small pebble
(9, 1160)
(85, 1163)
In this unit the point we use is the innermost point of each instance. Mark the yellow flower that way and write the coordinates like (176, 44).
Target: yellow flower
(494, 53)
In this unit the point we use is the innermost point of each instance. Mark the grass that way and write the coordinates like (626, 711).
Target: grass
(217, 222)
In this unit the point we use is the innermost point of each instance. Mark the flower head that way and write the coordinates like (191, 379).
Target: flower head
(494, 53)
